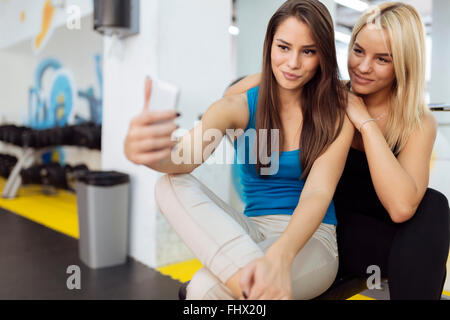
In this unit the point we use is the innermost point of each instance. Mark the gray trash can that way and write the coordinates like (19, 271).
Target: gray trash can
(102, 200)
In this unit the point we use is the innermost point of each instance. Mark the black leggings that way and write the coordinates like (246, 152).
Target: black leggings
(411, 255)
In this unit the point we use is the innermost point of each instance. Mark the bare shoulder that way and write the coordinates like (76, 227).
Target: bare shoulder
(423, 137)
(227, 113)
(428, 128)
(429, 122)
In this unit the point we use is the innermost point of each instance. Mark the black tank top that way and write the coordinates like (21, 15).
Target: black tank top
(355, 192)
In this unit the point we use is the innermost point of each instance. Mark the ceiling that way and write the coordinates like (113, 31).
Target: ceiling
(347, 17)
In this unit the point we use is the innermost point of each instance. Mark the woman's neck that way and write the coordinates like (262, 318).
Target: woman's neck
(377, 102)
(289, 99)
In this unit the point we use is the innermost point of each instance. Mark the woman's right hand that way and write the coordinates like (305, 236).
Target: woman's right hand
(148, 140)
(267, 278)
(357, 110)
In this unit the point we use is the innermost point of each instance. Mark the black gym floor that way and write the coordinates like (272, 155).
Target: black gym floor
(34, 261)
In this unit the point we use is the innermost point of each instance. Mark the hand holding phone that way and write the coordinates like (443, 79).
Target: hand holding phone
(149, 136)
(160, 95)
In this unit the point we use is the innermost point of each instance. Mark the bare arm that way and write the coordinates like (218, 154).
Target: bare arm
(244, 85)
(271, 274)
(316, 195)
(401, 182)
(194, 147)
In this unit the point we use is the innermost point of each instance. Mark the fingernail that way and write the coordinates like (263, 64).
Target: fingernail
(178, 114)
(244, 294)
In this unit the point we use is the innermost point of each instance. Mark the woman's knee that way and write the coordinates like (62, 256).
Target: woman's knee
(205, 286)
(196, 290)
(434, 208)
(314, 270)
(164, 188)
(427, 231)
(436, 199)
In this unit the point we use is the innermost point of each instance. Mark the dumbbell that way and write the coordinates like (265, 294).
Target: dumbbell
(7, 163)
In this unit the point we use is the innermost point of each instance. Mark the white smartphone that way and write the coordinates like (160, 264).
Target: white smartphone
(164, 96)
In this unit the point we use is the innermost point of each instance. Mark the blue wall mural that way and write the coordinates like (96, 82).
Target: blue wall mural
(53, 107)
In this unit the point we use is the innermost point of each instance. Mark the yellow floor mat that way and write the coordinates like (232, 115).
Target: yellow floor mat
(182, 271)
(360, 297)
(57, 212)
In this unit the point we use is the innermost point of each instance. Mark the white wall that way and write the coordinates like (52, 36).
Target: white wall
(197, 57)
(440, 69)
(75, 49)
(188, 44)
(123, 98)
(440, 93)
(252, 19)
(14, 30)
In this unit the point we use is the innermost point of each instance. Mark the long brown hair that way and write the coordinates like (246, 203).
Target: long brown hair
(323, 98)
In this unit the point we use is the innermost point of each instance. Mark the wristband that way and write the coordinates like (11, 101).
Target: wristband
(364, 122)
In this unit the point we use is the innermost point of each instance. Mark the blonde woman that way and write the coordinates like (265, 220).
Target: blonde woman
(387, 217)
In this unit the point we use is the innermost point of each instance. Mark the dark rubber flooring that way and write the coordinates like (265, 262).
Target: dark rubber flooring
(34, 262)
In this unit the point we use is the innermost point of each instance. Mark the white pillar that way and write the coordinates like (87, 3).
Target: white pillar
(124, 75)
(184, 42)
(440, 66)
(440, 63)
(440, 93)
(252, 18)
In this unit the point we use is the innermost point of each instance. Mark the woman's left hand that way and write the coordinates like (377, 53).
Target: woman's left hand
(357, 110)
(267, 279)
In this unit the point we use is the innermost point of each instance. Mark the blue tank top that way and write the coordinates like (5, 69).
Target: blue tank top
(278, 192)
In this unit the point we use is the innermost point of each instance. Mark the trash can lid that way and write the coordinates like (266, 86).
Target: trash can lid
(103, 178)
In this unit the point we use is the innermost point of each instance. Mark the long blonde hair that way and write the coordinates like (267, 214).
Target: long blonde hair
(406, 34)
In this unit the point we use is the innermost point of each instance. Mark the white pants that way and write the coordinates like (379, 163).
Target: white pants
(225, 240)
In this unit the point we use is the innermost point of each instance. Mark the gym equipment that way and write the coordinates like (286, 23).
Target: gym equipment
(12, 134)
(83, 135)
(53, 176)
(36, 143)
(49, 112)
(7, 163)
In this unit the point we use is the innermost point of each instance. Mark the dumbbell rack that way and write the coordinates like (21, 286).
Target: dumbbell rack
(86, 135)
(14, 180)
